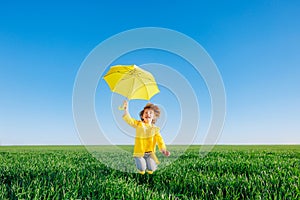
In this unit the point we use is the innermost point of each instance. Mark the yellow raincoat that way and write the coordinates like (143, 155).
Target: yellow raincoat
(146, 138)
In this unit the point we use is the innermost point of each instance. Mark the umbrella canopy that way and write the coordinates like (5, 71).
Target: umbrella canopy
(131, 81)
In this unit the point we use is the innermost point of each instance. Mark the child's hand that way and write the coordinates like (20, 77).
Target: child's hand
(165, 152)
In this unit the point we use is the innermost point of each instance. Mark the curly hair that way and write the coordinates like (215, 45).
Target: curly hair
(153, 107)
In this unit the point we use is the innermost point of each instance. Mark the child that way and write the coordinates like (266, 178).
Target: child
(147, 136)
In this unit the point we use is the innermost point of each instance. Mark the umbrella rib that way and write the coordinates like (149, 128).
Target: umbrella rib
(130, 91)
(140, 78)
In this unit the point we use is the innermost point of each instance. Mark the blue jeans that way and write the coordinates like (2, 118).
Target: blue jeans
(145, 162)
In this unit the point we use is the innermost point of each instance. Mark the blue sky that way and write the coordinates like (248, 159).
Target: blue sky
(255, 45)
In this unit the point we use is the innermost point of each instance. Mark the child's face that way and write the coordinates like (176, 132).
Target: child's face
(148, 115)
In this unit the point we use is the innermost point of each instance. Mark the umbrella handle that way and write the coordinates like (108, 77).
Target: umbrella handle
(121, 108)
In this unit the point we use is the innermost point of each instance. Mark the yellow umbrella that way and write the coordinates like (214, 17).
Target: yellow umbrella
(131, 81)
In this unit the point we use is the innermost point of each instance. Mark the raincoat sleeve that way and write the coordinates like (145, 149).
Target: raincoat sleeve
(129, 120)
(159, 140)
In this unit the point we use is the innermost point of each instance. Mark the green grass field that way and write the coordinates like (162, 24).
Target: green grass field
(227, 172)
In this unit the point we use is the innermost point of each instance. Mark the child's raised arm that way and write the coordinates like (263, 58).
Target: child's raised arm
(126, 116)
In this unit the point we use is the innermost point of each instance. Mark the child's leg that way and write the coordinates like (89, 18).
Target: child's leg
(140, 164)
(150, 163)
